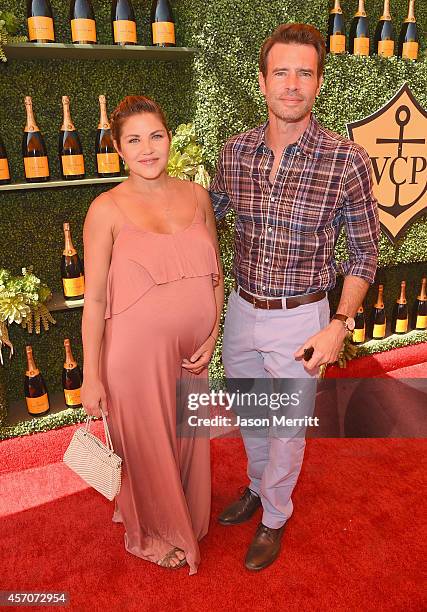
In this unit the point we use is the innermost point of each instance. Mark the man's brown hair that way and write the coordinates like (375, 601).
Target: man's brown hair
(294, 34)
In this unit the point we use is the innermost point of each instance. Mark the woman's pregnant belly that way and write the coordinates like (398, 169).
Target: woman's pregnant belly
(169, 323)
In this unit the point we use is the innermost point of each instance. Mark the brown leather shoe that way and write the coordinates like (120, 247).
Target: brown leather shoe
(265, 547)
(240, 510)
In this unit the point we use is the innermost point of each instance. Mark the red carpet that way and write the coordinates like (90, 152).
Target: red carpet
(354, 542)
(386, 363)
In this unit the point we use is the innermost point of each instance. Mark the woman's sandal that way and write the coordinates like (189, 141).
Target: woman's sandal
(166, 561)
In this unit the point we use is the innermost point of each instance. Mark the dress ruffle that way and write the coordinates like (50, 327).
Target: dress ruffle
(158, 259)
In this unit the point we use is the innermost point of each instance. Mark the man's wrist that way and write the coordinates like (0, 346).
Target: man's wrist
(348, 322)
(339, 326)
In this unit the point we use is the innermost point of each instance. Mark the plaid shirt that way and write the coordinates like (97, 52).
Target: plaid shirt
(286, 232)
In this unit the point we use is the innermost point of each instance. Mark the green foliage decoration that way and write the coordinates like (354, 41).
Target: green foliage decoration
(22, 301)
(9, 25)
(186, 156)
(69, 416)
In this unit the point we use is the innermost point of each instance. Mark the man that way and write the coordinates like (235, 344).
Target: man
(292, 185)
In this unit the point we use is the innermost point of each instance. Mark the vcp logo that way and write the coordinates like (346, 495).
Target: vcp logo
(395, 138)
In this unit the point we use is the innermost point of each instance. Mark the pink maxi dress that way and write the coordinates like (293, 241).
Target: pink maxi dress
(160, 308)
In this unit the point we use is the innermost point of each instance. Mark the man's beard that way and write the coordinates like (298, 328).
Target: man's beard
(292, 115)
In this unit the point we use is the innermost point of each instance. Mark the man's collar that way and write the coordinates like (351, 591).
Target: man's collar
(260, 138)
(306, 143)
(309, 140)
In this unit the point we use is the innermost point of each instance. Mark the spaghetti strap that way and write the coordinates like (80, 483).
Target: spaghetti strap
(197, 208)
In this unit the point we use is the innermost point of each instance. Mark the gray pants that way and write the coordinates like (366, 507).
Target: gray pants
(260, 344)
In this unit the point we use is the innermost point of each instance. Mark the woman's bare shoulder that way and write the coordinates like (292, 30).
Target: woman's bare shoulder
(201, 192)
(102, 209)
(104, 203)
(203, 198)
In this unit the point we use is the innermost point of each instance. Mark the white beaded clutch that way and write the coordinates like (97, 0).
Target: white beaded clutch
(94, 461)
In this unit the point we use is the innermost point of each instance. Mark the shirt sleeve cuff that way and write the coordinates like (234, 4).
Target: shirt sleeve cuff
(366, 269)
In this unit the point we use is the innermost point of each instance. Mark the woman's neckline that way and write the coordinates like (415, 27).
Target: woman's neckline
(129, 223)
(133, 225)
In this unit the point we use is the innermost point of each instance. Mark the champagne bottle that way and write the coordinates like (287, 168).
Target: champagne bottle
(359, 32)
(359, 332)
(40, 21)
(336, 30)
(384, 33)
(107, 158)
(83, 25)
(35, 387)
(162, 24)
(378, 316)
(70, 147)
(73, 280)
(408, 38)
(71, 378)
(400, 312)
(419, 311)
(123, 22)
(36, 165)
(4, 165)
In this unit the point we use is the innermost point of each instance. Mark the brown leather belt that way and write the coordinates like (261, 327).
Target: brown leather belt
(275, 304)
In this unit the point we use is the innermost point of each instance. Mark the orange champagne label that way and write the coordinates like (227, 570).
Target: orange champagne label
(36, 167)
(72, 397)
(163, 32)
(40, 28)
(108, 162)
(421, 322)
(73, 164)
(410, 50)
(359, 335)
(361, 46)
(401, 325)
(83, 29)
(4, 169)
(74, 286)
(386, 48)
(379, 330)
(337, 43)
(36, 405)
(124, 31)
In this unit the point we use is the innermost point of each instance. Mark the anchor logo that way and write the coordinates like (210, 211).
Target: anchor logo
(395, 138)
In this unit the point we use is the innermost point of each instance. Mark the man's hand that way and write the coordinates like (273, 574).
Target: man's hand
(327, 345)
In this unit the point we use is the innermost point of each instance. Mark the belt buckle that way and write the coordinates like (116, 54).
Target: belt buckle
(254, 301)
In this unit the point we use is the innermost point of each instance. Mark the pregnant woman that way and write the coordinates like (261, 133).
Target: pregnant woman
(153, 298)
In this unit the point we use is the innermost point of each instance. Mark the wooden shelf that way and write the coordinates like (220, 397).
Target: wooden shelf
(18, 413)
(58, 303)
(52, 184)
(46, 51)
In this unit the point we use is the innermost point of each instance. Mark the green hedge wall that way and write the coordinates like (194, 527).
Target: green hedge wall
(218, 90)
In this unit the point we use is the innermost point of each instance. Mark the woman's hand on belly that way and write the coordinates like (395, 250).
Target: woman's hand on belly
(201, 358)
